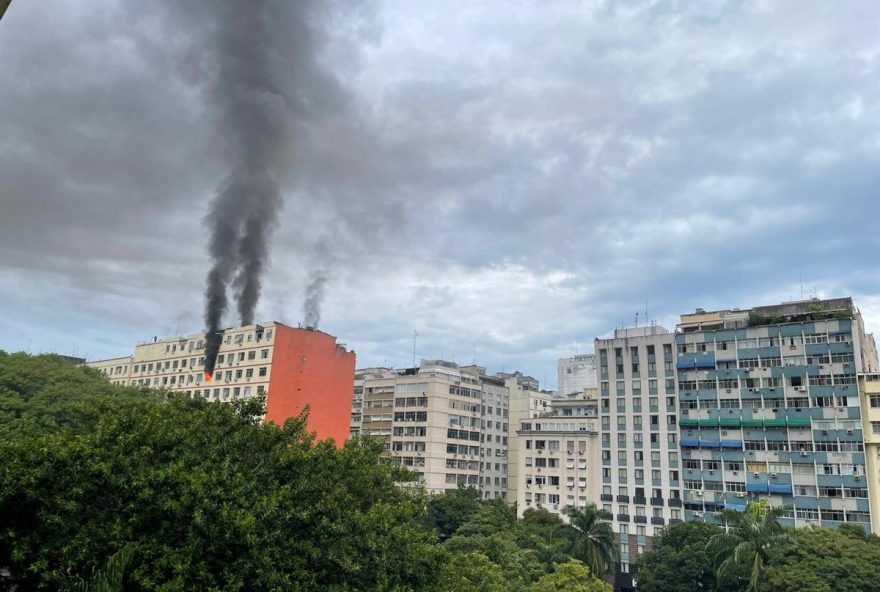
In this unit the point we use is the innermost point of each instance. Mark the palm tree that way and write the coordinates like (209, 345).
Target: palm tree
(746, 541)
(591, 539)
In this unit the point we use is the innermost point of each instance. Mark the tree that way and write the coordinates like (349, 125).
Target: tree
(746, 543)
(207, 498)
(824, 560)
(679, 560)
(572, 576)
(450, 509)
(470, 572)
(108, 579)
(591, 540)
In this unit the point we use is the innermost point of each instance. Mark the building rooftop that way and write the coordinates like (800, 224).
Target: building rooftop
(785, 312)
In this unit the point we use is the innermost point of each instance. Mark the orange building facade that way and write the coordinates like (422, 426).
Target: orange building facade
(310, 369)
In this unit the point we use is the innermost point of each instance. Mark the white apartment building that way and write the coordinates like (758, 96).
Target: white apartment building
(445, 422)
(526, 401)
(243, 365)
(638, 412)
(559, 457)
(576, 373)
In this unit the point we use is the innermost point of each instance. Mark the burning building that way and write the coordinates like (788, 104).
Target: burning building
(294, 367)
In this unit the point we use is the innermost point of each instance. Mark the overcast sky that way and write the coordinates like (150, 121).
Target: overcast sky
(511, 179)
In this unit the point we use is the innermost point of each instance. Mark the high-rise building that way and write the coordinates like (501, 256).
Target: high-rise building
(640, 458)
(576, 373)
(558, 456)
(447, 423)
(295, 367)
(770, 409)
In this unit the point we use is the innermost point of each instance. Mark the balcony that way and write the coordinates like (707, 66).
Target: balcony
(640, 519)
(674, 503)
(606, 497)
(623, 499)
(656, 501)
(657, 520)
(623, 517)
(639, 500)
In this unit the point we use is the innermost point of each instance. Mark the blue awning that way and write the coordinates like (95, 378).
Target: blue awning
(690, 443)
(710, 443)
(757, 488)
(780, 488)
(731, 444)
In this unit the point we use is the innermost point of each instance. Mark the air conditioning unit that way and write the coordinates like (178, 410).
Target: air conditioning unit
(699, 493)
(698, 514)
(756, 475)
(802, 389)
(849, 432)
(773, 475)
(740, 494)
(736, 473)
(581, 452)
(804, 453)
(824, 432)
(724, 433)
(857, 477)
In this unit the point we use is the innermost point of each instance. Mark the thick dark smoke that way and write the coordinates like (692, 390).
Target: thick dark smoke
(314, 297)
(250, 97)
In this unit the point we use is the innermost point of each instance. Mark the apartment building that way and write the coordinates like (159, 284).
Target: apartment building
(640, 457)
(576, 373)
(295, 367)
(527, 400)
(447, 423)
(869, 390)
(558, 456)
(771, 409)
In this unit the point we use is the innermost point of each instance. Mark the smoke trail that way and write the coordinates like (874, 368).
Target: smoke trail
(313, 300)
(249, 98)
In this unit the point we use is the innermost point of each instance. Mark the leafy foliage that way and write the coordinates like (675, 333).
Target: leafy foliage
(824, 560)
(470, 572)
(572, 576)
(679, 561)
(206, 497)
(449, 510)
(746, 544)
(591, 539)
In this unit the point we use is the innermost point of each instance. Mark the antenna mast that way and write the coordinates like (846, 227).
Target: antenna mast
(415, 335)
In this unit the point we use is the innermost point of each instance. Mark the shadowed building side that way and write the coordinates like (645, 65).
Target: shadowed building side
(310, 368)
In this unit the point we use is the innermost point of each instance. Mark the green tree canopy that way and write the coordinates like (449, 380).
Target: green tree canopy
(206, 498)
(470, 572)
(746, 543)
(824, 560)
(679, 560)
(590, 537)
(572, 576)
(449, 510)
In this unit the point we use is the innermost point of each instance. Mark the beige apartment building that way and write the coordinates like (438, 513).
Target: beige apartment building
(445, 422)
(527, 400)
(869, 389)
(559, 456)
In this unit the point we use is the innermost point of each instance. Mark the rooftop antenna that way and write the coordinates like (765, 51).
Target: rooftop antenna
(415, 336)
(802, 284)
(637, 318)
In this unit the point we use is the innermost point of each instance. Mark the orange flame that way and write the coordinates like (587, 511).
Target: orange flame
(208, 376)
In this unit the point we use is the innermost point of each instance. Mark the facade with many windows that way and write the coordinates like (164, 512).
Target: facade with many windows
(447, 423)
(770, 409)
(558, 456)
(640, 475)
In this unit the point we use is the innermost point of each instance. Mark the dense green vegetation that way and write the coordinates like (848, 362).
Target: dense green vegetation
(756, 553)
(108, 488)
(105, 488)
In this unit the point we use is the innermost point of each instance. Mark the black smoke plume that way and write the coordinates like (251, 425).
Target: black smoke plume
(312, 303)
(251, 100)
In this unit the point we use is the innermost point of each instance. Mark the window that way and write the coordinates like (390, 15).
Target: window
(252, 355)
(263, 371)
